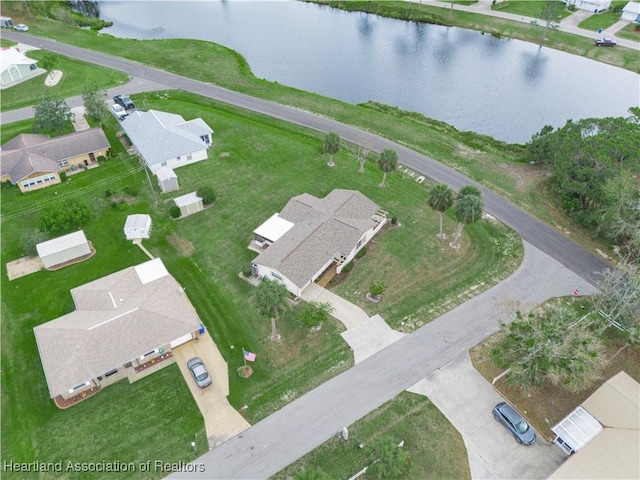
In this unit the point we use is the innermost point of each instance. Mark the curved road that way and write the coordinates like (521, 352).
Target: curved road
(554, 244)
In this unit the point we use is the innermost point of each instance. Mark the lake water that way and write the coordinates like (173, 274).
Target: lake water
(505, 88)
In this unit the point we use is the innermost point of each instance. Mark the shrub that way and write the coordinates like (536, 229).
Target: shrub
(73, 213)
(108, 193)
(377, 288)
(247, 270)
(63, 177)
(394, 220)
(131, 190)
(29, 240)
(207, 194)
(174, 212)
(347, 267)
(313, 313)
(361, 252)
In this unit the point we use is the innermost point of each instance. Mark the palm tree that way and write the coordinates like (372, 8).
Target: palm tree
(468, 210)
(311, 473)
(387, 162)
(331, 146)
(441, 199)
(271, 298)
(389, 458)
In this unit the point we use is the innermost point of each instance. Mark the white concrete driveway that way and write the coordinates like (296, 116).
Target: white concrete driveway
(466, 399)
(221, 420)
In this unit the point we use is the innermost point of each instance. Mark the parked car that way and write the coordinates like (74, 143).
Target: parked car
(21, 27)
(605, 42)
(119, 112)
(514, 423)
(124, 101)
(199, 372)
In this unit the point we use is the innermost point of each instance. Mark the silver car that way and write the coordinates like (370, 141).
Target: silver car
(199, 372)
(514, 423)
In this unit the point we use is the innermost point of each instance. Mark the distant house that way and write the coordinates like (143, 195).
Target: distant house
(594, 6)
(34, 161)
(6, 22)
(63, 249)
(603, 434)
(167, 180)
(312, 235)
(137, 227)
(15, 67)
(189, 204)
(167, 140)
(125, 325)
(631, 12)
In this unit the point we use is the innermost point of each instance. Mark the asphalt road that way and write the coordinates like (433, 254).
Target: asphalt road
(556, 245)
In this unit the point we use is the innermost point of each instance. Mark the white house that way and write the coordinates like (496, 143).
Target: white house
(137, 227)
(167, 140)
(16, 67)
(58, 251)
(631, 12)
(594, 6)
(167, 180)
(311, 235)
(189, 204)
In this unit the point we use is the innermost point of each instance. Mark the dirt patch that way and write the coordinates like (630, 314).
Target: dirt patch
(223, 154)
(184, 247)
(24, 266)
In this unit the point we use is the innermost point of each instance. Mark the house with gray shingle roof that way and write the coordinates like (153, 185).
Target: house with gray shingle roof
(124, 326)
(34, 161)
(313, 235)
(167, 140)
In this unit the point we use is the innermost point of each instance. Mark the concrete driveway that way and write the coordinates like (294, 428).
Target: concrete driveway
(221, 420)
(466, 399)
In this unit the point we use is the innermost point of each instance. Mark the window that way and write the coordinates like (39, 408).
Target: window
(275, 275)
(147, 354)
(63, 163)
(111, 372)
(205, 139)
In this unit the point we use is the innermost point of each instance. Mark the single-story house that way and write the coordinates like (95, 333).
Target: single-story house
(34, 161)
(631, 12)
(137, 227)
(594, 6)
(189, 204)
(167, 140)
(311, 235)
(602, 436)
(63, 249)
(15, 67)
(122, 324)
(167, 180)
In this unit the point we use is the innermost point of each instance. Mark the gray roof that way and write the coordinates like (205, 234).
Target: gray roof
(28, 153)
(162, 136)
(322, 229)
(117, 319)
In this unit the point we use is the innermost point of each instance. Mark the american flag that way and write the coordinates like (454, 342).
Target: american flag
(249, 356)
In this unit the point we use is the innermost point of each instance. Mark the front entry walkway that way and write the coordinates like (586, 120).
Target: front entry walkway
(221, 420)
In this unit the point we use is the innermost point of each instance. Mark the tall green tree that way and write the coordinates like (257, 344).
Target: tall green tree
(441, 199)
(331, 145)
(51, 115)
(468, 211)
(388, 458)
(621, 212)
(48, 62)
(94, 103)
(271, 300)
(550, 345)
(551, 14)
(387, 162)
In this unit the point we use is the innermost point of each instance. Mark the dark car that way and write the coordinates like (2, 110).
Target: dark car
(124, 101)
(514, 423)
(605, 42)
(199, 372)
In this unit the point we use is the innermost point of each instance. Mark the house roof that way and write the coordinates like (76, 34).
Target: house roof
(56, 245)
(138, 222)
(613, 453)
(10, 56)
(161, 136)
(273, 228)
(188, 199)
(28, 153)
(117, 319)
(322, 229)
(633, 7)
(165, 173)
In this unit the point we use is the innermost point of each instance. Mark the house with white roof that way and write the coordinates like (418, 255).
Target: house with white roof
(16, 67)
(313, 235)
(167, 140)
(124, 325)
(631, 12)
(594, 6)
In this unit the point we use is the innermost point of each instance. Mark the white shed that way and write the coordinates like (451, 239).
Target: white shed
(631, 12)
(167, 179)
(576, 430)
(63, 249)
(189, 204)
(137, 227)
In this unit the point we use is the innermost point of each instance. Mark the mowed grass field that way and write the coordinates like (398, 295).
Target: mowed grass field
(256, 165)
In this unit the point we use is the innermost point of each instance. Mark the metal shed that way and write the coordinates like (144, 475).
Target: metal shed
(576, 430)
(189, 204)
(63, 249)
(167, 179)
(137, 227)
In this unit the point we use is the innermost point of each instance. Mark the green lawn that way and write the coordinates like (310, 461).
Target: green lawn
(435, 449)
(526, 8)
(605, 19)
(630, 32)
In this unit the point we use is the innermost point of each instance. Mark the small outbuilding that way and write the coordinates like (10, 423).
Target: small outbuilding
(167, 180)
(137, 227)
(63, 249)
(189, 204)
